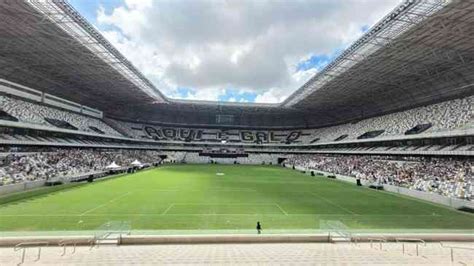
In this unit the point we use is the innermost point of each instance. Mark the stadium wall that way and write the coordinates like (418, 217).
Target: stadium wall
(251, 159)
(435, 198)
(26, 186)
(19, 187)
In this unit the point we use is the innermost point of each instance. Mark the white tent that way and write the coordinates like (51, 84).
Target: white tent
(136, 163)
(113, 165)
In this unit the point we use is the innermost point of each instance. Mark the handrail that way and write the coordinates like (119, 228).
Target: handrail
(65, 242)
(416, 240)
(355, 239)
(92, 242)
(452, 249)
(455, 247)
(33, 244)
(379, 239)
(400, 239)
(24, 245)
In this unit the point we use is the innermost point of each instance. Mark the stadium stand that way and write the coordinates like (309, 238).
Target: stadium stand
(22, 167)
(449, 115)
(445, 116)
(195, 158)
(213, 135)
(446, 176)
(35, 113)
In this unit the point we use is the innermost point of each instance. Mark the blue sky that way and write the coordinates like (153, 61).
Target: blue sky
(88, 8)
(245, 51)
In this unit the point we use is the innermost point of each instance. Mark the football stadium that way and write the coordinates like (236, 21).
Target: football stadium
(370, 160)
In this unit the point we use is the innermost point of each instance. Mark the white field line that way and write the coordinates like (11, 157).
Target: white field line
(167, 209)
(205, 190)
(226, 204)
(102, 205)
(281, 209)
(221, 190)
(214, 214)
(332, 203)
(158, 190)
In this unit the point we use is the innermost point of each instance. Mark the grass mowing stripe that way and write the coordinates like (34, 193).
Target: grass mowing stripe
(247, 201)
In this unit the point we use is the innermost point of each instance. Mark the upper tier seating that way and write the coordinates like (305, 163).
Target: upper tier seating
(455, 114)
(36, 113)
(148, 131)
(445, 116)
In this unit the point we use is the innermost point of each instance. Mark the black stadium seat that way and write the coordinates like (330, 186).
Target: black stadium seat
(418, 129)
(60, 123)
(5, 116)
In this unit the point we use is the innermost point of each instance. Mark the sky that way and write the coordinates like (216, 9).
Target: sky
(232, 50)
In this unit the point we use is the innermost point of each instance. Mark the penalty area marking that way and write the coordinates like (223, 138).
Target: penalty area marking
(333, 204)
(103, 205)
(227, 204)
(281, 209)
(167, 209)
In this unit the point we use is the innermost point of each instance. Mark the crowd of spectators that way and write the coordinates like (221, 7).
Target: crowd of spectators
(16, 168)
(195, 158)
(449, 115)
(446, 176)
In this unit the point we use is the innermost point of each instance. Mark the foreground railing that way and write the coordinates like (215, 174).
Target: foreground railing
(452, 248)
(380, 240)
(25, 245)
(417, 241)
(65, 243)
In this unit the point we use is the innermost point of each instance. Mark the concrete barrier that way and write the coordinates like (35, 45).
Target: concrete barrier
(51, 240)
(223, 239)
(24, 186)
(432, 197)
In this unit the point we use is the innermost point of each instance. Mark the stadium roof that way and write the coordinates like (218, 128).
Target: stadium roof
(420, 53)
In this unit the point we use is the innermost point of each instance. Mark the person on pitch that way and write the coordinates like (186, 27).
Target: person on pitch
(259, 228)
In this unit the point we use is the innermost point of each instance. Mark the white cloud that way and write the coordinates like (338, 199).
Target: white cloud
(248, 45)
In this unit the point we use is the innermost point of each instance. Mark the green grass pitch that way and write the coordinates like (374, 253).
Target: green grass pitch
(193, 197)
